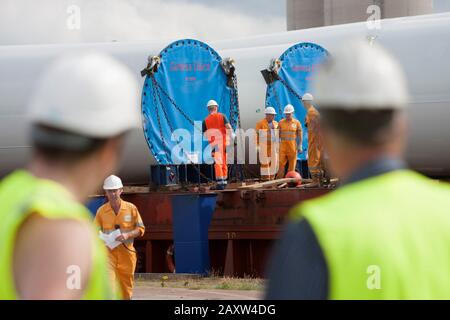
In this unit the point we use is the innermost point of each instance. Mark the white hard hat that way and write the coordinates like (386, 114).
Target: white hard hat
(307, 97)
(89, 93)
(361, 76)
(212, 103)
(289, 108)
(270, 110)
(112, 183)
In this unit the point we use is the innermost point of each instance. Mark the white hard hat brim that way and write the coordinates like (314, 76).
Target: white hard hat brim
(111, 188)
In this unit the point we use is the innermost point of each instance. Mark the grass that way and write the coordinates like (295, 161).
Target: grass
(213, 282)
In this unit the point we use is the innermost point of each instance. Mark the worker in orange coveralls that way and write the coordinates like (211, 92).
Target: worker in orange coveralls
(290, 131)
(218, 131)
(314, 144)
(265, 134)
(123, 215)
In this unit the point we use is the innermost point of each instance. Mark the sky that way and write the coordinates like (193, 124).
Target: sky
(441, 5)
(56, 21)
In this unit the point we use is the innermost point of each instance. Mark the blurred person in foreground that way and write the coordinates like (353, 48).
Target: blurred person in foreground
(385, 232)
(49, 249)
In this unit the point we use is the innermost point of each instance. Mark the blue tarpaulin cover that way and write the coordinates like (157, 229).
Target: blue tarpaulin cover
(299, 62)
(189, 75)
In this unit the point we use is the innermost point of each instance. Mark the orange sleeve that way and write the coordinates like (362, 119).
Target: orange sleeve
(299, 130)
(258, 127)
(138, 221)
(314, 122)
(98, 219)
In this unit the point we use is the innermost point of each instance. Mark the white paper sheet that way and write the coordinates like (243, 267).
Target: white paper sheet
(110, 238)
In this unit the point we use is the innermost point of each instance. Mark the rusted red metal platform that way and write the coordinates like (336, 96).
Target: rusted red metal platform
(241, 234)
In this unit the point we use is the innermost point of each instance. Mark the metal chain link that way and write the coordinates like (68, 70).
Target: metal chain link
(234, 105)
(290, 89)
(175, 104)
(166, 116)
(236, 97)
(159, 121)
(277, 98)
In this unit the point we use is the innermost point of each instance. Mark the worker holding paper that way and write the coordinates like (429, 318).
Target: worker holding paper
(120, 219)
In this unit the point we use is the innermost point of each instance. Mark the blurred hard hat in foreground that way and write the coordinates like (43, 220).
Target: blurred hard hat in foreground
(360, 76)
(307, 97)
(90, 94)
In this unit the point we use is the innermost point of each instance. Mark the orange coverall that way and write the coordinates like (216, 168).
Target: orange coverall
(268, 156)
(122, 259)
(290, 131)
(218, 143)
(314, 143)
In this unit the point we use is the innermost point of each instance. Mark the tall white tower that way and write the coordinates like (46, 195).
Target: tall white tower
(302, 14)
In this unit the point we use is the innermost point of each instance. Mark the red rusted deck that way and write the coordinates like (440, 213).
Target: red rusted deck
(243, 228)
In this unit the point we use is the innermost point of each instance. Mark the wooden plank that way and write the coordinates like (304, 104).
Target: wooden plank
(273, 183)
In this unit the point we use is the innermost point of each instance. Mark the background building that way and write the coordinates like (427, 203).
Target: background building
(303, 14)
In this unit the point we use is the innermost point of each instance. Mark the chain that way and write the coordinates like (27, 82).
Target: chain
(277, 98)
(159, 121)
(234, 109)
(163, 109)
(236, 97)
(290, 89)
(175, 104)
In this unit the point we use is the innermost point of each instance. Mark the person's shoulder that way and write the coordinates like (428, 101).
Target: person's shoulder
(129, 205)
(433, 189)
(314, 111)
(103, 208)
(319, 204)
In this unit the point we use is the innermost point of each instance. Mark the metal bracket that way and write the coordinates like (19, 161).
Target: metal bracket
(245, 195)
(228, 67)
(271, 73)
(260, 195)
(152, 66)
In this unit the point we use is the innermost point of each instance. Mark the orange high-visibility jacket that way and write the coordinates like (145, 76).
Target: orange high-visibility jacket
(216, 121)
(267, 129)
(289, 132)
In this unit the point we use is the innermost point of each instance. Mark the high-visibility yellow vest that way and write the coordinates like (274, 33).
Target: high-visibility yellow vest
(21, 194)
(386, 237)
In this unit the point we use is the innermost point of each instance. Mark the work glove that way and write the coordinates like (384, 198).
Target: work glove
(299, 149)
